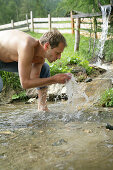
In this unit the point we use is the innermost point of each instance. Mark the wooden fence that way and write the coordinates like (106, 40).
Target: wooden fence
(42, 25)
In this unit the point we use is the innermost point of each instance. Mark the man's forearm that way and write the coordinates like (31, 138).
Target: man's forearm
(37, 82)
(40, 82)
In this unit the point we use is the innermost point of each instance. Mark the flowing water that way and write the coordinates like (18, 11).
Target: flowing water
(106, 10)
(60, 140)
(74, 92)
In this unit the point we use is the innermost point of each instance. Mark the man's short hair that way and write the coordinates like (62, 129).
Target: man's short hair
(53, 37)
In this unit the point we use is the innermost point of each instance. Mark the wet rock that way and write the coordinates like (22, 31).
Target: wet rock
(56, 92)
(30, 101)
(6, 96)
(81, 77)
(87, 130)
(95, 89)
(88, 80)
(108, 126)
(2, 156)
(31, 93)
(6, 132)
(59, 142)
(78, 69)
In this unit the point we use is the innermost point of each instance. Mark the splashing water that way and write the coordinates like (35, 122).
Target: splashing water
(74, 92)
(106, 10)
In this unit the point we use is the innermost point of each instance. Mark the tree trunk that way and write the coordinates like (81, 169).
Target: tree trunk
(77, 35)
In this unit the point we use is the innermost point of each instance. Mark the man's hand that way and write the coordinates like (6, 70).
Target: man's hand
(62, 78)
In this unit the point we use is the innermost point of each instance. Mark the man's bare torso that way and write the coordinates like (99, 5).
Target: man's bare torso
(12, 42)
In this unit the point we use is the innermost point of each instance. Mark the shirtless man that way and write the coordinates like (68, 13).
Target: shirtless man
(19, 52)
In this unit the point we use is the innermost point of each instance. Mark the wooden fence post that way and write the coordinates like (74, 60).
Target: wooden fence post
(77, 35)
(72, 22)
(27, 21)
(49, 21)
(95, 27)
(12, 24)
(32, 25)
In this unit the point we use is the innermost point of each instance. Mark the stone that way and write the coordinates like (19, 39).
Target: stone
(59, 142)
(95, 89)
(31, 100)
(78, 69)
(88, 80)
(31, 93)
(56, 91)
(6, 97)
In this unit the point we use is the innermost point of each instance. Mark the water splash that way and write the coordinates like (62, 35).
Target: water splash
(74, 92)
(106, 10)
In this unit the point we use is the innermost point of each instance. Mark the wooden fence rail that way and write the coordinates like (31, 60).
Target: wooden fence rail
(42, 25)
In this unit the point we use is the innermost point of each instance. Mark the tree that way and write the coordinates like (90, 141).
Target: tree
(89, 6)
(6, 12)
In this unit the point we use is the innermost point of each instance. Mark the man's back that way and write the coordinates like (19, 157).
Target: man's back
(11, 41)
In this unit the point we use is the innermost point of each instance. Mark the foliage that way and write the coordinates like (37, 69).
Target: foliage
(107, 98)
(89, 6)
(108, 50)
(10, 80)
(17, 9)
(73, 60)
(20, 96)
(85, 64)
(58, 67)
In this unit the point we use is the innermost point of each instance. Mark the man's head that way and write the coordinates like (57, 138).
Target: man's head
(54, 44)
(53, 37)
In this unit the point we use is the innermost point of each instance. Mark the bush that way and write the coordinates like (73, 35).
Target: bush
(20, 96)
(10, 80)
(106, 99)
(108, 50)
(85, 64)
(58, 67)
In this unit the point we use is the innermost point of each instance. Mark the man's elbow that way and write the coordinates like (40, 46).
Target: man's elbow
(25, 85)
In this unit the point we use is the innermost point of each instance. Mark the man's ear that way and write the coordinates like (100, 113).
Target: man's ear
(46, 46)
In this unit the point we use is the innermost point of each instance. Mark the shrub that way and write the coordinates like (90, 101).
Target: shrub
(10, 80)
(85, 64)
(20, 96)
(106, 99)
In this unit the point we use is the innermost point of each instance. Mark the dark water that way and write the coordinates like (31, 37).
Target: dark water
(62, 139)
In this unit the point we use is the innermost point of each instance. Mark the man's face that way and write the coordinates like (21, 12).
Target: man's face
(55, 53)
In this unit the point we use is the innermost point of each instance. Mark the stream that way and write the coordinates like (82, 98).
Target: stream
(60, 139)
(63, 139)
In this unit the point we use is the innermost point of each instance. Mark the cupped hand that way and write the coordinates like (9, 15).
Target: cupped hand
(62, 78)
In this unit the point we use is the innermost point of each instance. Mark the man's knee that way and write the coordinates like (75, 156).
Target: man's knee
(1, 84)
(45, 72)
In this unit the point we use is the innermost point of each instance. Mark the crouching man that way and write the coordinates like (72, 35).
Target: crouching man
(19, 52)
